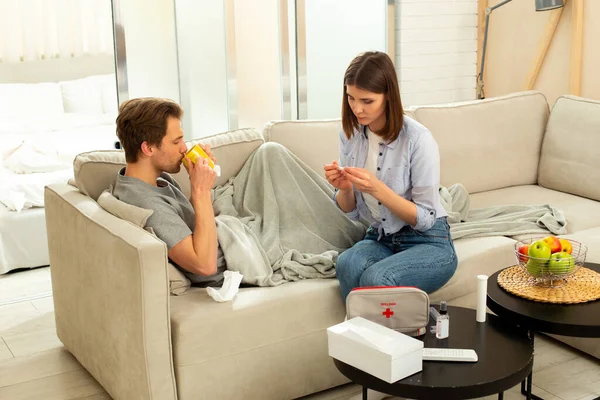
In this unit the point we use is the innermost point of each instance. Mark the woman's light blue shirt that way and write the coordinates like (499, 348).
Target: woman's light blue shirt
(410, 166)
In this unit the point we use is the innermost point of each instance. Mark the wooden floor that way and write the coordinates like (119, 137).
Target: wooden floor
(34, 365)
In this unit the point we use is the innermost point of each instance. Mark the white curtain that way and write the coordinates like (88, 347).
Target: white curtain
(41, 29)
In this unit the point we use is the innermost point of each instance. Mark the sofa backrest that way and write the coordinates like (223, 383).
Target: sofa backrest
(316, 142)
(488, 144)
(569, 160)
(96, 171)
(231, 149)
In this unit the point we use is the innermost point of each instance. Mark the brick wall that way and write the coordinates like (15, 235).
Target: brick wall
(436, 50)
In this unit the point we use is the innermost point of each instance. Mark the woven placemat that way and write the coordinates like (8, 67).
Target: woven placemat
(581, 287)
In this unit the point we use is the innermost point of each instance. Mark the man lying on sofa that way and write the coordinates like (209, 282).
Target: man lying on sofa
(150, 133)
(275, 221)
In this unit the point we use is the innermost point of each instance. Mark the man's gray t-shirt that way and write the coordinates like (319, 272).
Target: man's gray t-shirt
(173, 218)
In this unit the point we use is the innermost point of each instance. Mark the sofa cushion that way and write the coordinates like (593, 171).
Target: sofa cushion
(488, 144)
(256, 317)
(591, 238)
(316, 142)
(136, 215)
(263, 326)
(569, 160)
(484, 255)
(95, 171)
(581, 213)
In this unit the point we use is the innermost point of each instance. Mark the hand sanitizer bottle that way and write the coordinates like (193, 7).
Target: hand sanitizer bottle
(442, 328)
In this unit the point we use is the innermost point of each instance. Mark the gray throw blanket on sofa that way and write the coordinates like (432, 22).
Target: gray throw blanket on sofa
(277, 222)
(508, 220)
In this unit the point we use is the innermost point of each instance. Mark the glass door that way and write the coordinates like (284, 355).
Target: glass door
(330, 34)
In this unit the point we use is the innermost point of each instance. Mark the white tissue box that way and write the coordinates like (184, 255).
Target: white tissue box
(375, 349)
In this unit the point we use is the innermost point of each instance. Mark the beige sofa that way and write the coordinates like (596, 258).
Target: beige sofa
(111, 284)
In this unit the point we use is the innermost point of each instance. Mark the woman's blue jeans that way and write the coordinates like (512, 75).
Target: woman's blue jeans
(426, 260)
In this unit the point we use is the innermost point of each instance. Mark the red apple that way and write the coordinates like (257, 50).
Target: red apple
(554, 244)
(567, 247)
(523, 250)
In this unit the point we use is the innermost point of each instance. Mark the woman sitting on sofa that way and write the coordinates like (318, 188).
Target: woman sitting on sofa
(389, 175)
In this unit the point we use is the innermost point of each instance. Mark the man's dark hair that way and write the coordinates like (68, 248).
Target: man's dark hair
(144, 120)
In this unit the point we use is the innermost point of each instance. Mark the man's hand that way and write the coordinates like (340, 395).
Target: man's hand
(363, 180)
(202, 176)
(206, 148)
(336, 176)
(198, 252)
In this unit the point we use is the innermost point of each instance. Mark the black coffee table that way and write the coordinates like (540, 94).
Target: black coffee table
(580, 320)
(505, 355)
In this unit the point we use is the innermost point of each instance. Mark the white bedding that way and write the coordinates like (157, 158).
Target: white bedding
(23, 240)
(43, 126)
(38, 151)
(22, 191)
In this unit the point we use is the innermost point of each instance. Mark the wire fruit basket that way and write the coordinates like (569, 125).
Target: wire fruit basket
(551, 262)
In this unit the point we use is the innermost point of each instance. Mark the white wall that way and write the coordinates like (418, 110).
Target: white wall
(436, 50)
(151, 48)
(516, 30)
(57, 69)
(202, 66)
(336, 32)
(217, 87)
(258, 62)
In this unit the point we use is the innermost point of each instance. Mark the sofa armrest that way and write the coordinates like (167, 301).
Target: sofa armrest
(111, 297)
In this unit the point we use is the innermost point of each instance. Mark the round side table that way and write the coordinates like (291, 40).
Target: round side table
(580, 320)
(505, 358)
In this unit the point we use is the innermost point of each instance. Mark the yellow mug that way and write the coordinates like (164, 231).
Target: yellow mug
(196, 152)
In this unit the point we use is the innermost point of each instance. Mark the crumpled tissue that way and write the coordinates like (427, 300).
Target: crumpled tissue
(231, 285)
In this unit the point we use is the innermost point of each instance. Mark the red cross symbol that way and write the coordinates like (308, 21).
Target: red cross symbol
(388, 313)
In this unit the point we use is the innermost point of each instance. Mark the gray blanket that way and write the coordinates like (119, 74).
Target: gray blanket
(509, 220)
(277, 222)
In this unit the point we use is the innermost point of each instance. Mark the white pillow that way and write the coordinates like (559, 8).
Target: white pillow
(110, 102)
(108, 85)
(26, 99)
(81, 96)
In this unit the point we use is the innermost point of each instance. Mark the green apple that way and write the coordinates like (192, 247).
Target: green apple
(536, 268)
(561, 263)
(539, 253)
(539, 249)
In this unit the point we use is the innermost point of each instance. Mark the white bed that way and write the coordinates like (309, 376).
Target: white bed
(42, 128)
(23, 241)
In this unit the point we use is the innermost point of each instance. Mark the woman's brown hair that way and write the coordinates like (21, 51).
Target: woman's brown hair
(374, 71)
(144, 120)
